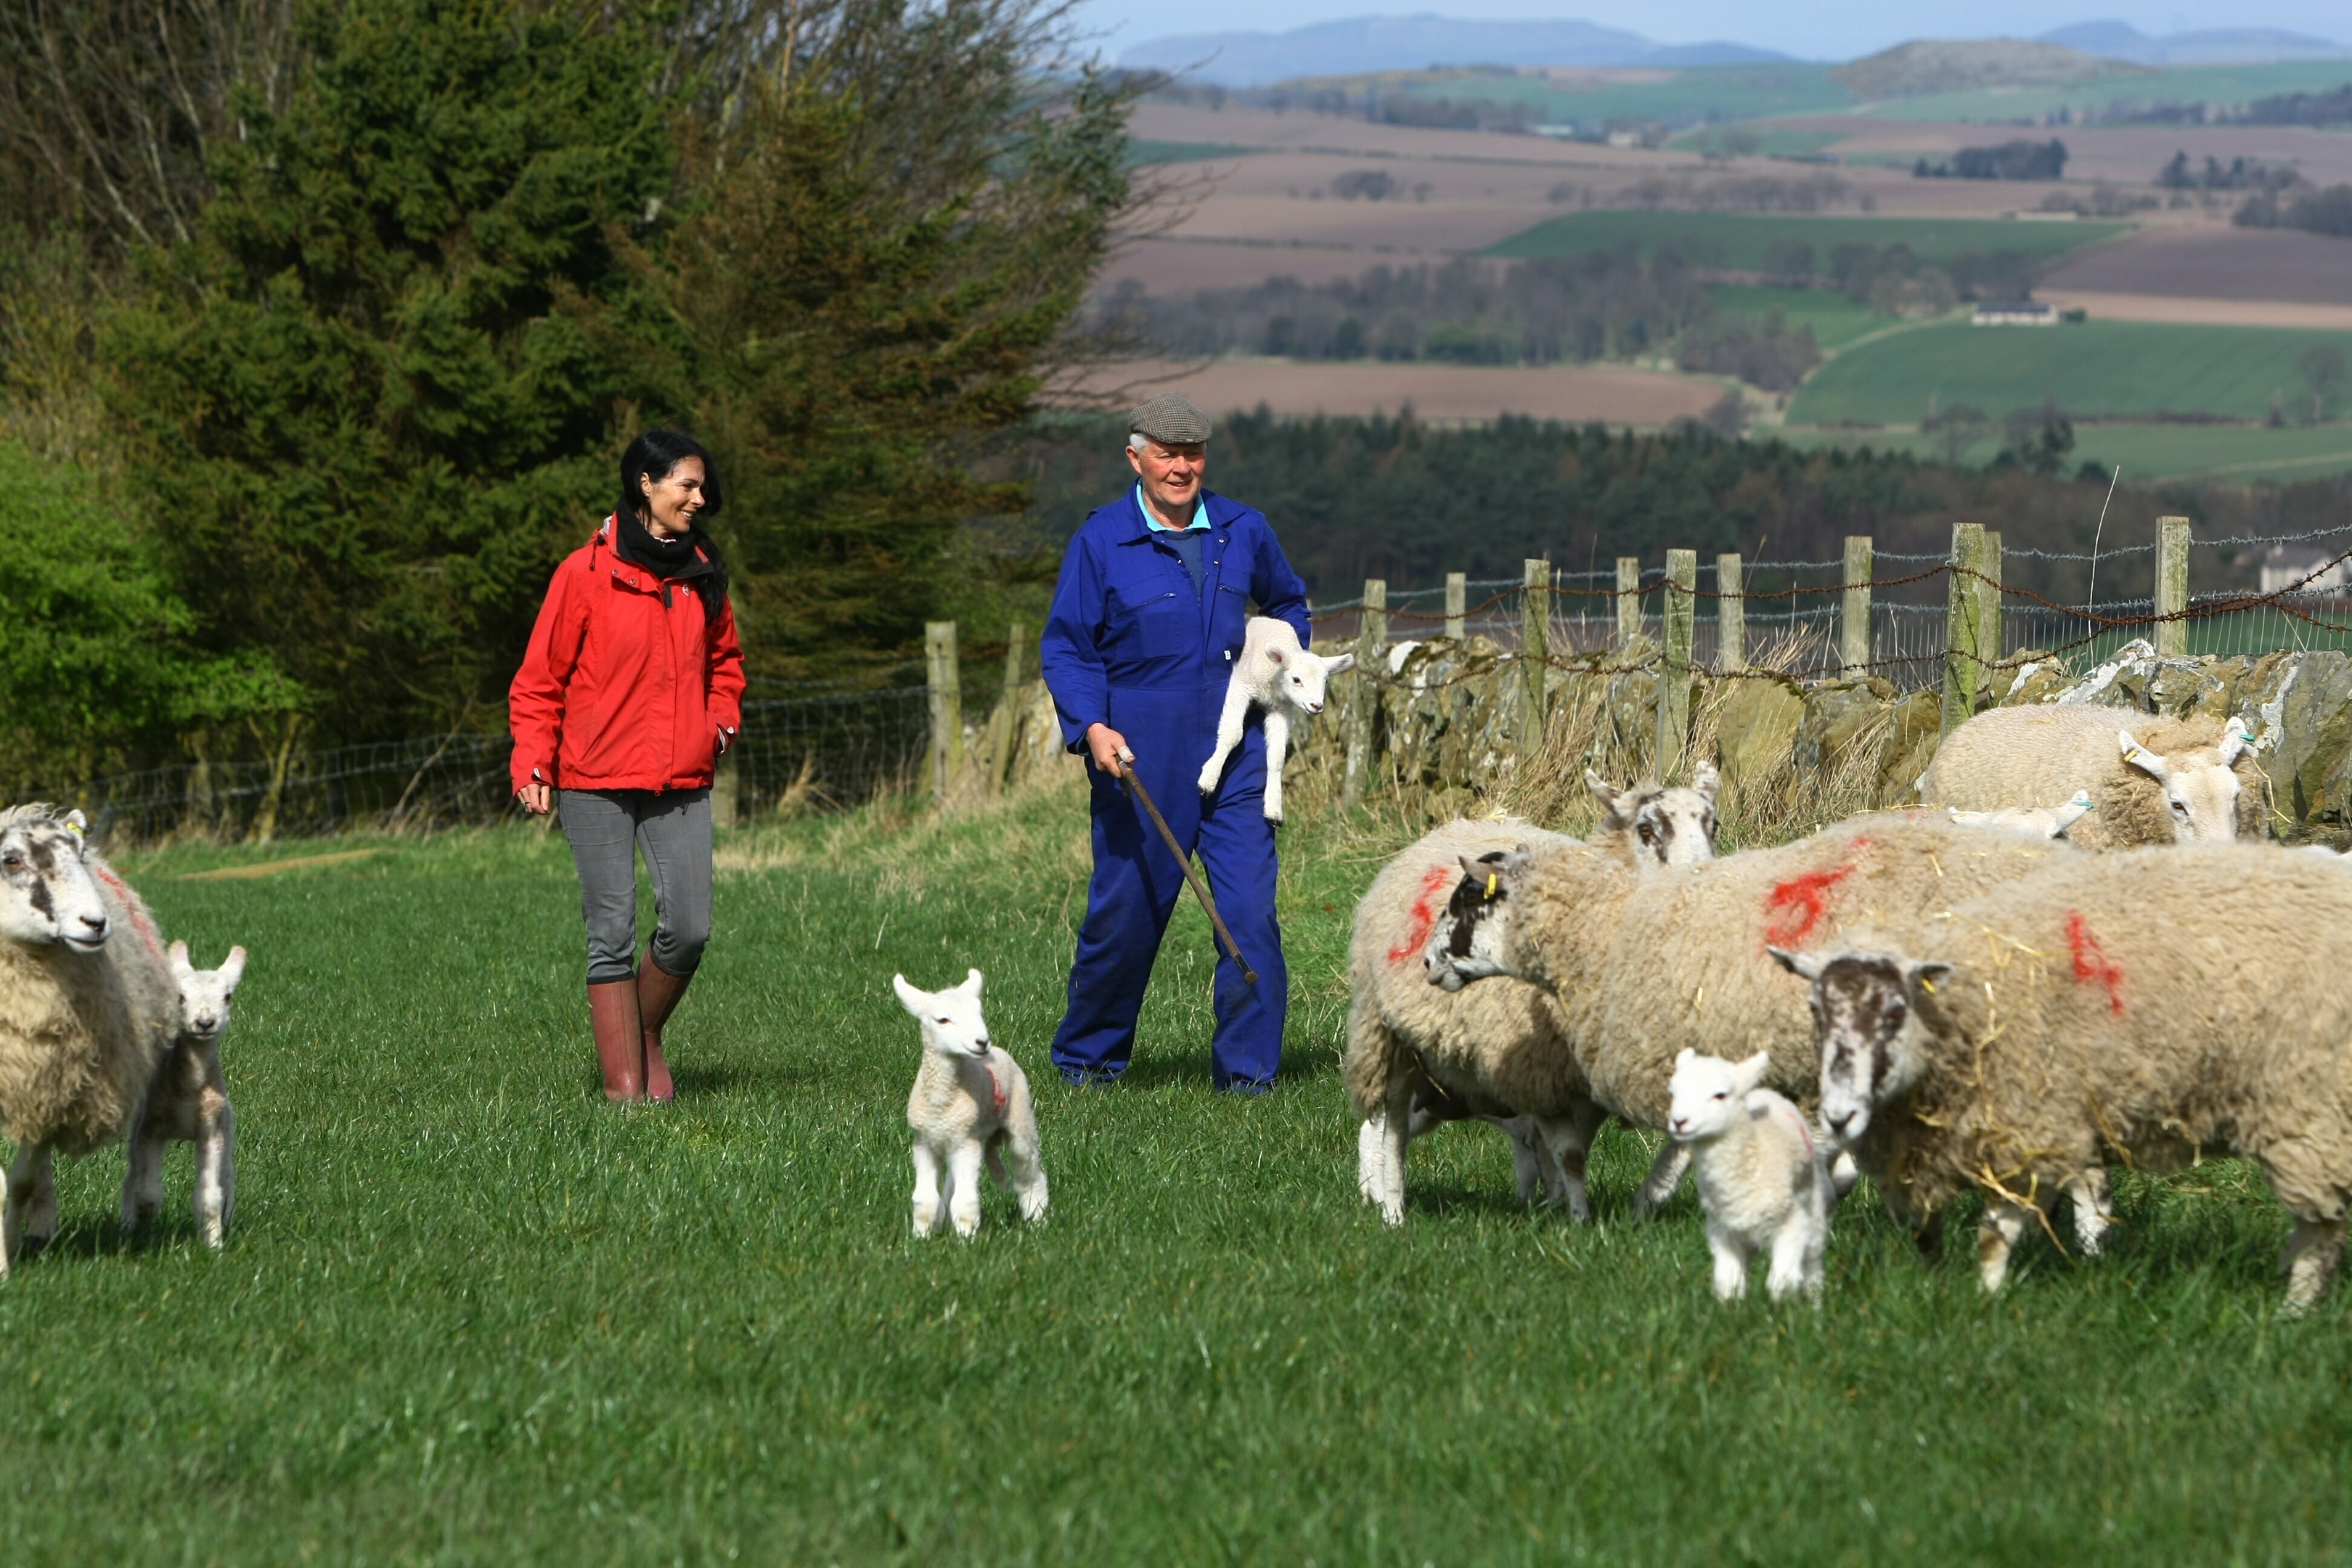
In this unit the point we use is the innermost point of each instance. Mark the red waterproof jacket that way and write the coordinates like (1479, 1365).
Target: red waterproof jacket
(624, 685)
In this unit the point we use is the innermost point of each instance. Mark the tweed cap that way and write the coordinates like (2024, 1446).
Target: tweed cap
(1171, 419)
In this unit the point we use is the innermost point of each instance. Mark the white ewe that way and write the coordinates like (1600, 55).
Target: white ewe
(1275, 674)
(187, 1102)
(1761, 1177)
(970, 1102)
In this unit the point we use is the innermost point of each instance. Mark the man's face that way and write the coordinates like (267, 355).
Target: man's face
(1170, 475)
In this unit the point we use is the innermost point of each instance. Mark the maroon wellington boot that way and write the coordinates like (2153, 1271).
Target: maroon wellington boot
(657, 995)
(620, 1037)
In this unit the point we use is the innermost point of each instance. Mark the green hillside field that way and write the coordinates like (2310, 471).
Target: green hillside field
(1745, 240)
(1721, 92)
(2232, 454)
(1836, 320)
(2189, 84)
(2091, 368)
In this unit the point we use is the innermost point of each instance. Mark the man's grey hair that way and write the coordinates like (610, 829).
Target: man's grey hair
(1136, 440)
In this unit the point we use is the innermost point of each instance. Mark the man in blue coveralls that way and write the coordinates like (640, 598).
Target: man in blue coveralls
(1147, 621)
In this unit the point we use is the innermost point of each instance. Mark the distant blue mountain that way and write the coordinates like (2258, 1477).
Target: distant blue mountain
(2217, 46)
(1416, 43)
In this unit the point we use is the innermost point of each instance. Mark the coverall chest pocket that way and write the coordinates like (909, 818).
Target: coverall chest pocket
(1229, 620)
(1145, 623)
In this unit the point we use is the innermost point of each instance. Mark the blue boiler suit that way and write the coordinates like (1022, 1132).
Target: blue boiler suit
(1130, 643)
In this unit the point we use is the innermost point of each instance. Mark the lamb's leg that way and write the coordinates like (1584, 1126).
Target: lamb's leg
(24, 1177)
(2310, 1261)
(1665, 1175)
(927, 1190)
(1397, 1129)
(1843, 1174)
(1532, 1164)
(1372, 1155)
(1997, 1233)
(1567, 1143)
(1228, 734)
(963, 1186)
(1020, 1157)
(1787, 1274)
(2093, 1217)
(1277, 746)
(227, 1164)
(211, 1139)
(143, 1181)
(1730, 1264)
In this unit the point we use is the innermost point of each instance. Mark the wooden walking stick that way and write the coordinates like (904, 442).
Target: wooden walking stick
(1127, 776)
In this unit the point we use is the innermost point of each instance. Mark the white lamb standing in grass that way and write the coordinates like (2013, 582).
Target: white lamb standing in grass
(2034, 821)
(970, 1103)
(187, 1102)
(1275, 674)
(1761, 1176)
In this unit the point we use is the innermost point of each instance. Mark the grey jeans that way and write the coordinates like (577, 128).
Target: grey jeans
(673, 827)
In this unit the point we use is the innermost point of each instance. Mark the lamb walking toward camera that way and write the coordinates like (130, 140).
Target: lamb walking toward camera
(1275, 674)
(970, 1103)
(1762, 1179)
(187, 1102)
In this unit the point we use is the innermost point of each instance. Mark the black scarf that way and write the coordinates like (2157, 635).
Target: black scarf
(690, 558)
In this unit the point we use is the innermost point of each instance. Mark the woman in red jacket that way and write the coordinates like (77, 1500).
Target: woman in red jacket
(630, 690)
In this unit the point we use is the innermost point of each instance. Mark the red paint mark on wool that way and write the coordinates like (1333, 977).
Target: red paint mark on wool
(2091, 963)
(130, 906)
(1795, 907)
(1424, 913)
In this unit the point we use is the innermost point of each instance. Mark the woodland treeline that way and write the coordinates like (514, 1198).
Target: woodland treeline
(322, 323)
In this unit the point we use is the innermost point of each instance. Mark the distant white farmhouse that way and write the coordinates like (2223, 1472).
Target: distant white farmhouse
(2018, 314)
(2286, 567)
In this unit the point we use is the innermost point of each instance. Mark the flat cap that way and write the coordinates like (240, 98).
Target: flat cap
(1171, 419)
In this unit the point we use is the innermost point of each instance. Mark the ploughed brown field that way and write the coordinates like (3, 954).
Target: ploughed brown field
(2212, 262)
(2128, 155)
(1614, 395)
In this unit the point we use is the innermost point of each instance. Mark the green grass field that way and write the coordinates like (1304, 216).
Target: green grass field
(1144, 150)
(1744, 240)
(2093, 367)
(1724, 92)
(2235, 453)
(1836, 321)
(470, 1314)
(2229, 84)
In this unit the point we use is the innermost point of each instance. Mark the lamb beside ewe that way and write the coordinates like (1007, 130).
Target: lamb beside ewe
(2163, 1005)
(86, 1008)
(970, 1103)
(187, 1102)
(2034, 821)
(2172, 781)
(1761, 1180)
(1643, 968)
(1275, 674)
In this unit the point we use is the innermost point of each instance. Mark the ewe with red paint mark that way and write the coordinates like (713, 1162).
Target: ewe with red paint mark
(1990, 1048)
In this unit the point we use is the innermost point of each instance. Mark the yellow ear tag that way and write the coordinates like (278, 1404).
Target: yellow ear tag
(1491, 879)
(73, 828)
(1928, 986)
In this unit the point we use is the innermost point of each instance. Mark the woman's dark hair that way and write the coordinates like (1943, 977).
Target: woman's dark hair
(657, 452)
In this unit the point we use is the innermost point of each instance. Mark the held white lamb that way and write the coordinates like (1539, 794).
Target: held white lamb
(86, 1008)
(1275, 674)
(2165, 780)
(1762, 1179)
(187, 1102)
(970, 1103)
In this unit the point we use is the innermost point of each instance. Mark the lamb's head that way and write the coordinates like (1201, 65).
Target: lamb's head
(1301, 677)
(47, 893)
(1473, 940)
(950, 1019)
(205, 994)
(1867, 1022)
(2200, 787)
(1666, 826)
(1708, 1096)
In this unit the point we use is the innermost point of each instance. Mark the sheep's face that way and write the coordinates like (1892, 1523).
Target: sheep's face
(1473, 940)
(2201, 788)
(1708, 1096)
(1302, 678)
(950, 1019)
(205, 994)
(1667, 827)
(47, 893)
(1865, 1022)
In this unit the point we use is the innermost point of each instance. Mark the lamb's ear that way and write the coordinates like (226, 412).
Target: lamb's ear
(232, 969)
(1683, 1057)
(1804, 965)
(1706, 779)
(1337, 663)
(2140, 757)
(916, 1002)
(1607, 794)
(972, 981)
(2235, 742)
(1748, 1076)
(177, 953)
(75, 823)
(1928, 978)
(1274, 655)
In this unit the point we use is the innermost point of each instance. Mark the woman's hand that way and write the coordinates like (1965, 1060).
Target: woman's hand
(535, 798)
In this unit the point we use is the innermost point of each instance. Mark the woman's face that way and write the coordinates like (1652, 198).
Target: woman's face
(672, 500)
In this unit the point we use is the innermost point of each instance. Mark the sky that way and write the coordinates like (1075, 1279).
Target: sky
(1830, 29)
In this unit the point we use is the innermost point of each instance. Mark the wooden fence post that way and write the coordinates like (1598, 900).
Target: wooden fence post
(1629, 599)
(944, 677)
(1988, 602)
(1535, 649)
(1457, 595)
(1854, 623)
(1963, 624)
(1730, 615)
(1674, 677)
(1004, 724)
(1364, 702)
(2171, 585)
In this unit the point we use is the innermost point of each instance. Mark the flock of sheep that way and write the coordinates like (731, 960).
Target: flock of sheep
(1993, 993)
(105, 1034)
